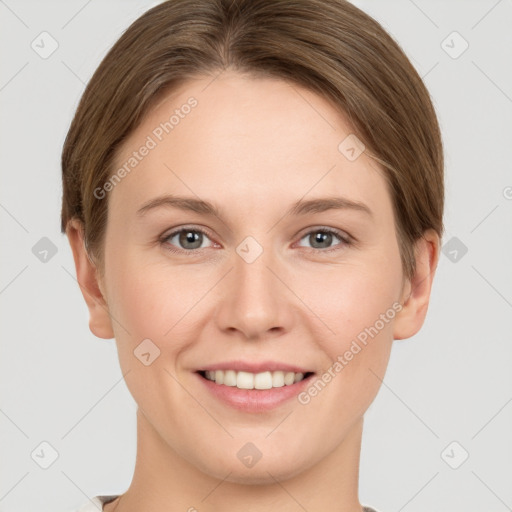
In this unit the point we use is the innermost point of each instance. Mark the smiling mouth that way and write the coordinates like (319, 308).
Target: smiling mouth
(258, 381)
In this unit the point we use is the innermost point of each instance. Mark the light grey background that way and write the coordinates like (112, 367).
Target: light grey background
(451, 382)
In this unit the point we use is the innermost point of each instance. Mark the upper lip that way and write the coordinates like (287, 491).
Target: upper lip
(255, 367)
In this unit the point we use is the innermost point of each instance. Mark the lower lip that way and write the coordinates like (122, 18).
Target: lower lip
(254, 400)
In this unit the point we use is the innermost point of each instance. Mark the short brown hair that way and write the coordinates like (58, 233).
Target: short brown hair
(328, 46)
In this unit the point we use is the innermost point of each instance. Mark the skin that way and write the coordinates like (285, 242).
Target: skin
(253, 146)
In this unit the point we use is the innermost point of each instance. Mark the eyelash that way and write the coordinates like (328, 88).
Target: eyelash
(347, 241)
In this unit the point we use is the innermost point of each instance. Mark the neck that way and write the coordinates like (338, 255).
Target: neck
(164, 481)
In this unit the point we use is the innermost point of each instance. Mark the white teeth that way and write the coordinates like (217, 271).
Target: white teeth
(289, 378)
(229, 378)
(263, 380)
(247, 380)
(277, 379)
(298, 376)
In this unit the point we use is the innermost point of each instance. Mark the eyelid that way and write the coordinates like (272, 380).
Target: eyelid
(345, 238)
(316, 228)
(173, 232)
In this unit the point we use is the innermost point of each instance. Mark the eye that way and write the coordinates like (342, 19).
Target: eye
(189, 239)
(322, 237)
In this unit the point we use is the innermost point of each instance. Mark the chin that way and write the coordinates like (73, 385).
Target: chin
(262, 474)
(266, 470)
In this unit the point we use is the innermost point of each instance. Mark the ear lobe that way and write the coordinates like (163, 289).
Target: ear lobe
(89, 282)
(416, 293)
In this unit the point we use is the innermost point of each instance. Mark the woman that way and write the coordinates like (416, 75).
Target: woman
(297, 151)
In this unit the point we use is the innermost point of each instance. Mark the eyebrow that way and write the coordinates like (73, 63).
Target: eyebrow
(301, 207)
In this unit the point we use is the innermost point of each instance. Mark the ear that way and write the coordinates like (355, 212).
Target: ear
(89, 282)
(416, 292)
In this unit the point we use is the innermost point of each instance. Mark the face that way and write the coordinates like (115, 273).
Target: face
(252, 285)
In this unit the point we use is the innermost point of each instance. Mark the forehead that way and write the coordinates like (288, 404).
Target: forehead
(243, 141)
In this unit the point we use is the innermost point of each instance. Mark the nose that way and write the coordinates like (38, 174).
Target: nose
(255, 300)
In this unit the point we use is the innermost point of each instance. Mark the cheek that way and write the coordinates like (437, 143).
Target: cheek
(356, 307)
(151, 303)
(347, 299)
(152, 295)
(156, 300)
(355, 318)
